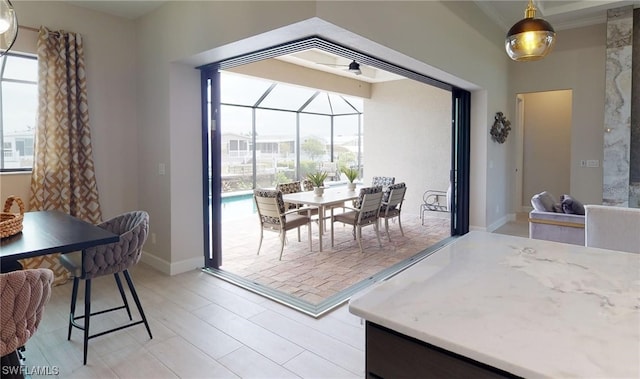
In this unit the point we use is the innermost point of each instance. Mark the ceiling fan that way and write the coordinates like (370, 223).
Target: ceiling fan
(353, 67)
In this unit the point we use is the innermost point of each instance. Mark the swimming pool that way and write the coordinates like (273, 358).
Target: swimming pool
(236, 205)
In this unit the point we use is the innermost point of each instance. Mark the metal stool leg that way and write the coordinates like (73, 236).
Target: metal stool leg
(87, 316)
(124, 297)
(137, 301)
(74, 297)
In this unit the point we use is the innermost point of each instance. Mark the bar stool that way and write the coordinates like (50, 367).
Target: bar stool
(133, 228)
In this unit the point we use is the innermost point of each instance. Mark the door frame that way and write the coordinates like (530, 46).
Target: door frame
(461, 126)
(519, 134)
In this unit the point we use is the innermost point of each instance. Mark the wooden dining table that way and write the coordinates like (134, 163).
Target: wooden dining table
(331, 197)
(47, 232)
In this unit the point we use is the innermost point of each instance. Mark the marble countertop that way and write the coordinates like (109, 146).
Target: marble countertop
(530, 307)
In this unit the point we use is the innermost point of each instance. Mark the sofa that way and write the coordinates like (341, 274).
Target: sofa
(559, 221)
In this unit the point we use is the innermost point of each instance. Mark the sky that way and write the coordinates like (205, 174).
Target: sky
(19, 99)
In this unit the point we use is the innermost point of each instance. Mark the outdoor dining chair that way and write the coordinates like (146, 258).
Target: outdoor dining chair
(307, 185)
(276, 218)
(378, 181)
(392, 205)
(382, 181)
(367, 213)
(294, 187)
(291, 187)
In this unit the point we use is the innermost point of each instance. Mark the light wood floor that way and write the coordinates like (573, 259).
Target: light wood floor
(203, 327)
(518, 227)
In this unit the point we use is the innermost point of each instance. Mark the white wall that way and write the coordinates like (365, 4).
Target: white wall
(408, 135)
(15, 184)
(578, 64)
(186, 159)
(547, 144)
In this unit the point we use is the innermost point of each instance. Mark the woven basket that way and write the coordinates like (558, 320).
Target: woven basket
(11, 223)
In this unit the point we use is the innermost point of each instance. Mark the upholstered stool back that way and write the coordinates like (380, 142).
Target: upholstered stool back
(24, 293)
(133, 228)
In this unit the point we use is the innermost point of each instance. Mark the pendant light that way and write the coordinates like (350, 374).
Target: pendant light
(8, 26)
(531, 38)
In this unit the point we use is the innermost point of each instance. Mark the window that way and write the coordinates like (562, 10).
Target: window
(238, 147)
(18, 110)
(263, 122)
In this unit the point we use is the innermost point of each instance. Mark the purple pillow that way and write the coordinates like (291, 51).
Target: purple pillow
(571, 205)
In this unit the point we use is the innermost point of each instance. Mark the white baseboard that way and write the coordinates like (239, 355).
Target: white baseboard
(526, 208)
(187, 265)
(501, 221)
(474, 228)
(174, 268)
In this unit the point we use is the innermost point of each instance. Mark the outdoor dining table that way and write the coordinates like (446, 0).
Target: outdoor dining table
(330, 198)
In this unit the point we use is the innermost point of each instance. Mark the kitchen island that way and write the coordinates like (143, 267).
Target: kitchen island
(491, 305)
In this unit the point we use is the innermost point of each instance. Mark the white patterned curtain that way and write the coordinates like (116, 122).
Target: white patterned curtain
(63, 176)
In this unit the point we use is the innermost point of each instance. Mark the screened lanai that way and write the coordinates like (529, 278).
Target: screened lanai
(275, 133)
(271, 133)
(271, 122)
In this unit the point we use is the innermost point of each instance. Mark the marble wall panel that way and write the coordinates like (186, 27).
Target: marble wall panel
(634, 160)
(617, 119)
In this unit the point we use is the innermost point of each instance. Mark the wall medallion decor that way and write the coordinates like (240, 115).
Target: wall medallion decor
(500, 129)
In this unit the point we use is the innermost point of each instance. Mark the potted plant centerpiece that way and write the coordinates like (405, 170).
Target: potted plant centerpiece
(351, 174)
(317, 179)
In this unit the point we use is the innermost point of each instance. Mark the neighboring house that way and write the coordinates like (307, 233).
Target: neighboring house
(17, 149)
(275, 147)
(236, 147)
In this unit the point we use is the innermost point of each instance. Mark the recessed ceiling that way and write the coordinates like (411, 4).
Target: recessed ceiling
(323, 61)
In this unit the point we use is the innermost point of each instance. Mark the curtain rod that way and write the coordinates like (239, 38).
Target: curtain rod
(37, 30)
(29, 28)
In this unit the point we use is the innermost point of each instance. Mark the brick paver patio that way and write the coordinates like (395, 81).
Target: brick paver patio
(314, 276)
